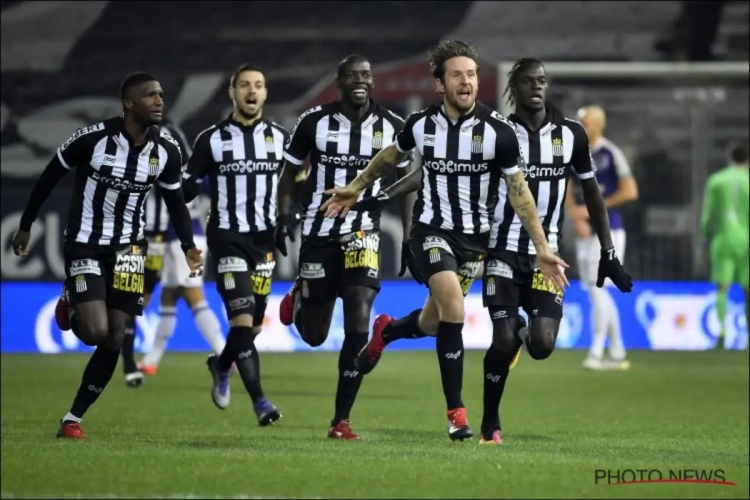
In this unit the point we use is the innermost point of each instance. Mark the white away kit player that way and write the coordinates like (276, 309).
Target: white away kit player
(618, 187)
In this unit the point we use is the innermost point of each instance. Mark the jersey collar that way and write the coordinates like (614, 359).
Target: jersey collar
(547, 123)
(461, 119)
(371, 109)
(242, 126)
(151, 136)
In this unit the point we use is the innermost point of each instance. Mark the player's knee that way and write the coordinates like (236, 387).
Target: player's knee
(428, 324)
(314, 337)
(504, 328)
(542, 337)
(313, 332)
(429, 319)
(169, 297)
(448, 295)
(243, 320)
(113, 341)
(92, 330)
(453, 313)
(357, 307)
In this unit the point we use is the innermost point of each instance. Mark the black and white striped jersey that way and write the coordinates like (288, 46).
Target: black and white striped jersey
(155, 210)
(462, 163)
(113, 178)
(549, 154)
(339, 151)
(242, 163)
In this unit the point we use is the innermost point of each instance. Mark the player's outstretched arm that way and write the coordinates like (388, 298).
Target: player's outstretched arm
(400, 190)
(592, 196)
(53, 172)
(285, 201)
(200, 160)
(170, 182)
(345, 197)
(609, 264)
(522, 201)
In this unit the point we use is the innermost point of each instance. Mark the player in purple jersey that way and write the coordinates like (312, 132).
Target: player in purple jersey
(177, 283)
(618, 187)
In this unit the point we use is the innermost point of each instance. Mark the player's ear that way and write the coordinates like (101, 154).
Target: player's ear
(231, 92)
(127, 104)
(439, 87)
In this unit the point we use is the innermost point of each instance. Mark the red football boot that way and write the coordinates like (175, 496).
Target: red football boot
(62, 311)
(70, 430)
(458, 424)
(490, 436)
(286, 308)
(342, 430)
(370, 354)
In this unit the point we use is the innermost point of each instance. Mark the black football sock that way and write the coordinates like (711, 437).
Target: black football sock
(349, 377)
(450, 351)
(496, 370)
(128, 347)
(96, 376)
(404, 328)
(248, 361)
(226, 358)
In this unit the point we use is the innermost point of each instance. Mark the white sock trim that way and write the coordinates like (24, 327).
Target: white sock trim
(69, 417)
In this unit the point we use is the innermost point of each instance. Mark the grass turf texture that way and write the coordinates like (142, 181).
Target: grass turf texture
(671, 411)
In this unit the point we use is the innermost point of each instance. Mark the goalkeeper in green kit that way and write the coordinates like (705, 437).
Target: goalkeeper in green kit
(724, 221)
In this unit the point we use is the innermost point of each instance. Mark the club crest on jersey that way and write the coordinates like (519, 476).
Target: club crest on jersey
(153, 167)
(476, 144)
(377, 140)
(270, 146)
(557, 147)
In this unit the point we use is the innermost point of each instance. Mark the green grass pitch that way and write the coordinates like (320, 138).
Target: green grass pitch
(166, 439)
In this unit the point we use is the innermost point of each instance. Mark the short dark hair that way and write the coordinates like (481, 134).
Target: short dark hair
(245, 67)
(348, 61)
(738, 152)
(521, 64)
(448, 49)
(133, 80)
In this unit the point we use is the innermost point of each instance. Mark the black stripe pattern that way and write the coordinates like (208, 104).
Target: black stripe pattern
(113, 178)
(339, 150)
(242, 163)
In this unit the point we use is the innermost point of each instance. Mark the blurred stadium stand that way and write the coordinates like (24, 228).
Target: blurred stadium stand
(70, 77)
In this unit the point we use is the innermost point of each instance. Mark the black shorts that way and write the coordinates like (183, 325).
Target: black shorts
(242, 262)
(512, 280)
(114, 274)
(154, 261)
(327, 265)
(439, 250)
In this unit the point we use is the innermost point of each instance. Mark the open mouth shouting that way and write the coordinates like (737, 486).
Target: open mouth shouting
(251, 101)
(464, 95)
